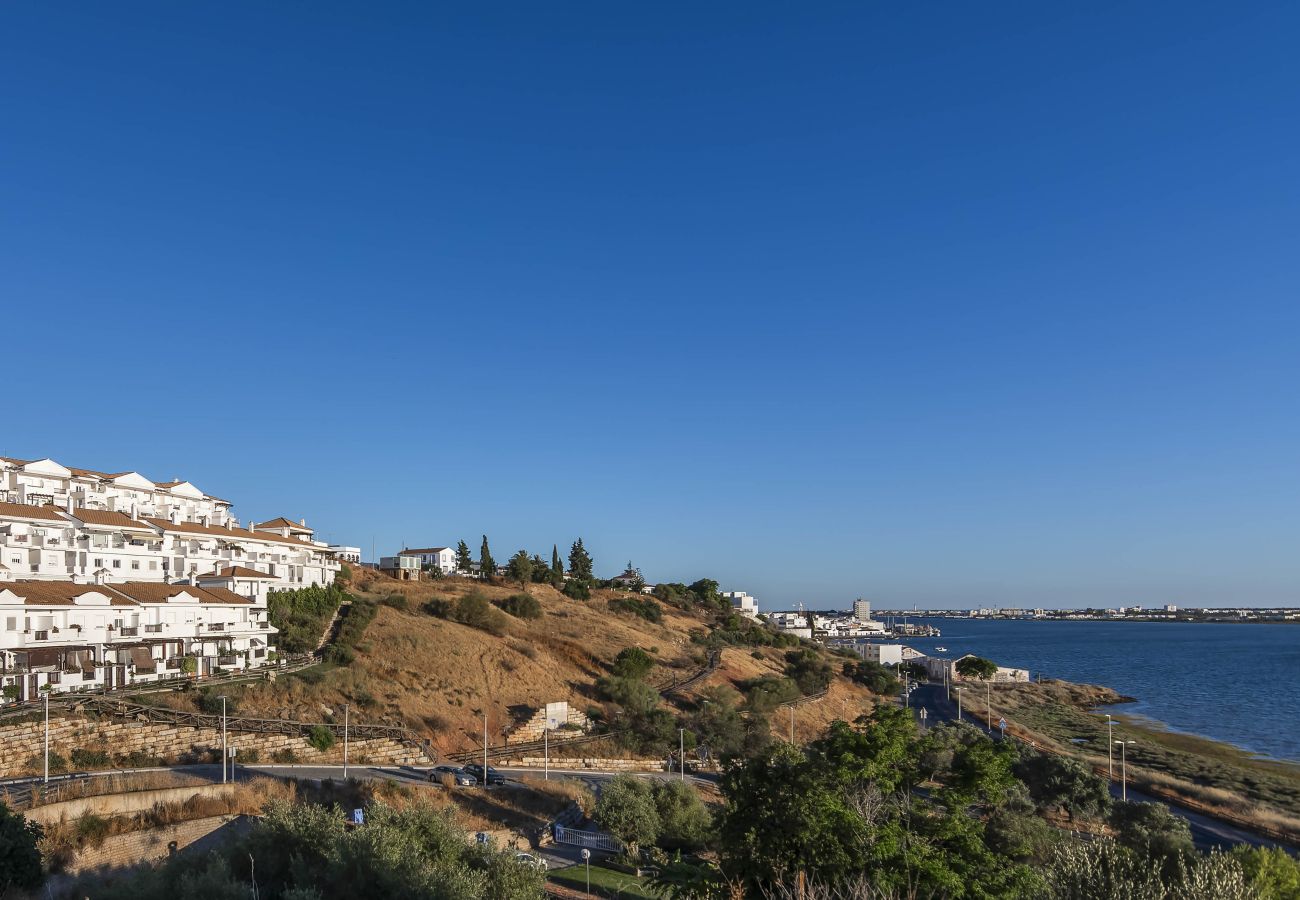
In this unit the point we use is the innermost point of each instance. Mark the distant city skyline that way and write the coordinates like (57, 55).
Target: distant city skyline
(934, 306)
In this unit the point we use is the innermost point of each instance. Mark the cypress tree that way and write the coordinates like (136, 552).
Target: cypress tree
(464, 562)
(557, 568)
(487, 566)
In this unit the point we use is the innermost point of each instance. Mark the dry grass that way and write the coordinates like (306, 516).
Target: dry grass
(62, 840)
(110, 784)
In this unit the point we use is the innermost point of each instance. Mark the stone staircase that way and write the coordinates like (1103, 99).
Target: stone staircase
(533, 727)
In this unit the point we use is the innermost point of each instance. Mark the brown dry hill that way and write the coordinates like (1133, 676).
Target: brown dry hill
(439, 677)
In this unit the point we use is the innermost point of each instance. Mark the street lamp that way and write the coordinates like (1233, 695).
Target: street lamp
(546, 755)
(1123, 768)
(681, 751)
(586, 857)
(222, 698)
(958, 690)
(345, 742)
(792, 725)
(1110, 748)
(47, 734)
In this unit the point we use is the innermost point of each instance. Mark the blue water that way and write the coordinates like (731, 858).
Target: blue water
(1234, 683)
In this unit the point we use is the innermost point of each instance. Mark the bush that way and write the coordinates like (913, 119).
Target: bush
(632, 662)
(522, 606)
(626, 809)
(577, 589)
(20, 862)
(646, 609)
(438, 608)
(284, 755)
(83, 758)
(808, 670)
(320, 737)
(397, 601)
(873, 676)
(302, 614)
(474, 610)
(208, 701)
(684, 820)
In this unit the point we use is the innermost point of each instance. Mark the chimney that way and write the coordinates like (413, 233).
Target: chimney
(71, 503)
(302, 522)
(133, 509)
(99, 575)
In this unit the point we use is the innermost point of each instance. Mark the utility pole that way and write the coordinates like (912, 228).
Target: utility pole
(958, 703)
(988, 703)
(681, 751)
(1110, 748)
(546, 755)
(47, 734)
(485, 771)
(224, 751)
(792, 725)
(1123, 768)
(345, 742)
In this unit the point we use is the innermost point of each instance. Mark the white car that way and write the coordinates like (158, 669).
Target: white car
(528, 859)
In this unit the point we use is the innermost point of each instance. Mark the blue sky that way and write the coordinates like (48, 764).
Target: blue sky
(934, 304)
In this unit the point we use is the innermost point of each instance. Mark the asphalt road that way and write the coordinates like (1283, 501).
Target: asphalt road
(1207, 832)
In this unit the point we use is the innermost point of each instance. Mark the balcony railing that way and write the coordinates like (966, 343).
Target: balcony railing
(40, 635)
(153, 629)
(227, 660)
(217, 626)
(130, 631)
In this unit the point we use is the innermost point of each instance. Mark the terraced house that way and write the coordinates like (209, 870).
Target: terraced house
(109, 579)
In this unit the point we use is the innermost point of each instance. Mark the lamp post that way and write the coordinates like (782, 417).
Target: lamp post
(223, 738)
(586, 858)
(792, 725)
(958, 689)
(681, 751)
(1123, 768)
(1110, 748)
(47, 734)
(485, 767)
(988, 703)
(546, 755)
(345, 742)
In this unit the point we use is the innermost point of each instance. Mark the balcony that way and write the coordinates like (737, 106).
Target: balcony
(217, 626)
(228, 660)
(263, 625)
(153, 629)
(130, 631)
(40, 635)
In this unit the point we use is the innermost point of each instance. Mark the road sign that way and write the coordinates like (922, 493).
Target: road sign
(586, 854)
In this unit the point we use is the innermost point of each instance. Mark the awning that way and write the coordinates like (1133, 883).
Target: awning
(78, 661)
(258, 642)
(44, 656)
(143, 660)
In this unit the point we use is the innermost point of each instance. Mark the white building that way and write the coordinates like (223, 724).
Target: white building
(60, 523)
(742, 603)
(346, 554)
(862, 609)
(937, 666)
(885, 654)
(441, 558)
(70, 636)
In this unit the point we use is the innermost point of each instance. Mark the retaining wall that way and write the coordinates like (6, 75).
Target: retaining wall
(123, 804)
(23, 744)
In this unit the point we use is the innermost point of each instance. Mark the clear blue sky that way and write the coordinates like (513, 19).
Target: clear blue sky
(944, 304)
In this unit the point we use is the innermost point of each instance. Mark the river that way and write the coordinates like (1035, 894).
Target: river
(1234, 683)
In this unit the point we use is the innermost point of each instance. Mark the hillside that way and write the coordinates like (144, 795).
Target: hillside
(439, 677)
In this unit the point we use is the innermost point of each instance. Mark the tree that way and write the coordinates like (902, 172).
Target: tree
(1063, 783)
(632, 662)
(874, 677)
(20, 859)
(806, 666)
(581, 565)
(684, 821)
(464, 562)
(626, 809)
(976, 667)
(541, 571)
(557, 568)
(487, 566)
(1152, 831)
(520, 568)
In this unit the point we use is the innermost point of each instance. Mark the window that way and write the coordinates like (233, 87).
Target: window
(99, 563)
(153, 565)
(11, 623)
(117, 564)
(135, 565)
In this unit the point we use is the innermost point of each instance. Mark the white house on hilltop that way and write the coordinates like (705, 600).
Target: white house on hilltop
(441, 558)
(742, 603)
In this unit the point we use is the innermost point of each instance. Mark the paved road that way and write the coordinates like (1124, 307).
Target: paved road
(1207, 832)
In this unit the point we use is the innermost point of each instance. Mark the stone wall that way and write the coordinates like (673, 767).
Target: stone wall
(23, 744)
(124, 850)
(123, 804)
(598, 763)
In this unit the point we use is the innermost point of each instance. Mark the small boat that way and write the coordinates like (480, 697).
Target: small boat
(941, 649)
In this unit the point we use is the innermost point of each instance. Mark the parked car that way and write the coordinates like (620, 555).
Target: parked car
(528, 859)
(462, 778)
(492, 776)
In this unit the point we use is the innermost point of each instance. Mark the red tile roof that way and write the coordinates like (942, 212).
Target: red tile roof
(108, 517)
(48, 512)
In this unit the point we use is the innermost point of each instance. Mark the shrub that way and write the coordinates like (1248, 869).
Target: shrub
(577, 589)
(83, 758)
(522, 606)
(808, 670)
(632, 662)
(438, 608)
(91, 829)
(284, 755)
(20, 864)
(647, 609)
(873, 676)
(626, 809)
(209, 701)
(320, 737)
(474, 610)
(397, 601)
(301, 614)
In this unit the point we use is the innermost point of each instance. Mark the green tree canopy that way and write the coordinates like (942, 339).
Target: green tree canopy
(626, 809)
(976, 667)
(464, 562)
(487, 566)
(632, 662)
(520, 568)
(581, 565)
(20, 860)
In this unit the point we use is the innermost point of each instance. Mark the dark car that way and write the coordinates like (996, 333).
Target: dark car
(458, 775)
(493, 776)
